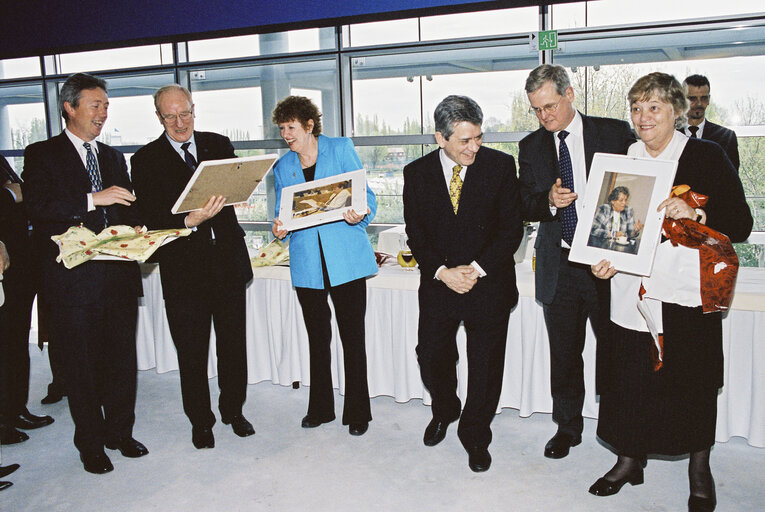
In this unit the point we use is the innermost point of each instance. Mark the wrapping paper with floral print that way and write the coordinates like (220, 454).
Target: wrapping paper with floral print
(274, 253)
(79, 244)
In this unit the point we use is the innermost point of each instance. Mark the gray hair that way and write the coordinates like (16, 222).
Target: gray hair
(456, 109)
(548, 73)
(614, 195)
(71, 91)
(167, 88)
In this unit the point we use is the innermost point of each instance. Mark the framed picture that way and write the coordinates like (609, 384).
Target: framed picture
(323, 200)
(619, 221)
(233, 178)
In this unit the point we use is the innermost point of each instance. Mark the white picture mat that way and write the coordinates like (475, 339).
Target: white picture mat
(663, 174)
(233, 178)
(310, 194)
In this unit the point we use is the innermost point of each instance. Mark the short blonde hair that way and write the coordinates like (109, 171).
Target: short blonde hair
(666, 87)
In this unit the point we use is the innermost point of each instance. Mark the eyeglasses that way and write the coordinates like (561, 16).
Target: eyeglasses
(547, 109)
(171, 118)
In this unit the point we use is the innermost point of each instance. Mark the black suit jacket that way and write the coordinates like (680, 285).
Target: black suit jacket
(55, 189)
(487, 229)
(538, 171)
(725, 138)
(159, 176)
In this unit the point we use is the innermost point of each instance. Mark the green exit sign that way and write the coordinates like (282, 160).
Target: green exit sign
(548, 40)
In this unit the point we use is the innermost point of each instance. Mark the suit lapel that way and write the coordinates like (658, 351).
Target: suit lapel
(70, 160)
(177, 167)
(435, 181)
(591, 140)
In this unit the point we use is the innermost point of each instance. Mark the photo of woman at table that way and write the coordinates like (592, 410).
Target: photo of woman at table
(615, 222)
(329, 260)
(669, 410)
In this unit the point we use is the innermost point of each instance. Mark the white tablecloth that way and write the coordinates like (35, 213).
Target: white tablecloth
(277, 345)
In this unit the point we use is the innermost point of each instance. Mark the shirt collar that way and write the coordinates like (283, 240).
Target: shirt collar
(575, 127)
(177, 145)
(78, 142)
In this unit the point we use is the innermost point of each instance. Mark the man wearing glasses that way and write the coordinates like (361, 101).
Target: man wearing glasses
(204, 275)
(697, 90)
(554, 163)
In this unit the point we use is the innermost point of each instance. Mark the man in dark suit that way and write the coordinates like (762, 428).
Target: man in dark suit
(20, 283)
(569, 293)
(697, 90)
(204, 276)
(462, 212)
(68, 180)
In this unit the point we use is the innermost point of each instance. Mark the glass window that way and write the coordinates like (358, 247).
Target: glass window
(482, 23)
(383, 32)
(115, 58)
(311, 39)
(19, 68)
(131, 110)
(622, 12)
(22, 116)
(394, 94)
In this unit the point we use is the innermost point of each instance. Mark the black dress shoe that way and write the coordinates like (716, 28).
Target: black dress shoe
(96, 462)
(358, 429)
(9, 435)
(479, 459)
(558, 446)
(310, 422)
(7, 470)
(699, 504)
(605, 487)
(129, 447)
(5, 485)
(52, 397)
(28, 421)
(241, 426)
(435, 432)
(202, 438)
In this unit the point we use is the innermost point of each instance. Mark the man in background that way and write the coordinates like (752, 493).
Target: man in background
(697, 90)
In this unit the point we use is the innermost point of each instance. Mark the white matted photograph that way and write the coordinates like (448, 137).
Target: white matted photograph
(323, 200)
(619, 221)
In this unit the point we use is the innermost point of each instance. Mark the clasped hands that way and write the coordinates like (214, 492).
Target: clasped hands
(460, 279)
(350, 216)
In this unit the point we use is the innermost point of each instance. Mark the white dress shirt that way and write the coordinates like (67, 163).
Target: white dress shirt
(78, 145)
(447, 164)
(575, 145)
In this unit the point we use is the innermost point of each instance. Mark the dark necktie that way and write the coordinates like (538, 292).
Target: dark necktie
(190, 160)
(693, 130)
(95, 177)
(568, 214)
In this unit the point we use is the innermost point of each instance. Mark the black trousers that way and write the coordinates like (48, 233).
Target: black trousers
(99, 360)
(20, 285)
(350, 302)
(190, 319)
(578, 296)
(437, 356)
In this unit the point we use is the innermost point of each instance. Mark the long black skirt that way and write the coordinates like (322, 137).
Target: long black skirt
(669, 412)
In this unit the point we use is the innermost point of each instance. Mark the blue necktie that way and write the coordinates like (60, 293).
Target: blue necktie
(568, 214)
(95, 177)
(190, 160)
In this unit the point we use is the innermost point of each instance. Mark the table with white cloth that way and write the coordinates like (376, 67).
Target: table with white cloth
(277, 345)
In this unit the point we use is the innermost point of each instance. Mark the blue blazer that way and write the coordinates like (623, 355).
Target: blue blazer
(347, 251)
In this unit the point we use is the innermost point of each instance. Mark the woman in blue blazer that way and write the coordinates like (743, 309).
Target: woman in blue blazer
(331, 259)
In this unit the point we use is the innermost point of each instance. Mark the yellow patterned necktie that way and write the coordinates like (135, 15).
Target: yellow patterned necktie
(455, 187)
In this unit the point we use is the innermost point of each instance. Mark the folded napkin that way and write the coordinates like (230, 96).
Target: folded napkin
(79, 244)
(274, 253)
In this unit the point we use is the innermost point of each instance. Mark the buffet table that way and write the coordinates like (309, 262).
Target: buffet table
(277, 345)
